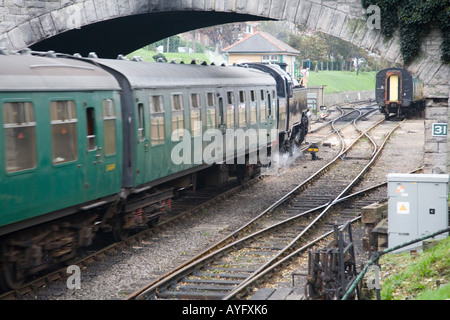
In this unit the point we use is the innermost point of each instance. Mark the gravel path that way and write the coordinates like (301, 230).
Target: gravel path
(118, 275)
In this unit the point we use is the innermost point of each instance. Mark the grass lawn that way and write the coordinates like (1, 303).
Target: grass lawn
(341, 81)
(336, 81)
(414, 277)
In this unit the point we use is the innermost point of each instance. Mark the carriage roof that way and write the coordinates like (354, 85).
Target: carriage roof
(159, 75)
(19, 72)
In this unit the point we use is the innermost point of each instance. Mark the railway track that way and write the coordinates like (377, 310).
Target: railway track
(185, 206)
(226, 269)
(189, 205)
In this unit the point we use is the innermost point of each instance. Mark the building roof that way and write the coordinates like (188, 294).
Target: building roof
(260, 42)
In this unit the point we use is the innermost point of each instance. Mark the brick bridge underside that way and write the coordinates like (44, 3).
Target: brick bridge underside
(112, 27)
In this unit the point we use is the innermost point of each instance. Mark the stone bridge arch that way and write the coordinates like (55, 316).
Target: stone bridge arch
(111, 27)
(118, 25)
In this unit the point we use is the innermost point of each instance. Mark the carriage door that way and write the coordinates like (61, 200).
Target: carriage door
(221, 115)
(271, 116)
(94, 157)
(393, 86)
(270, 111)
(143, 145)
(102, 172)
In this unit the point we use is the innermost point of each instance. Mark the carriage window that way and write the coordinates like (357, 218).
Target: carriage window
(210, 110)
(177, 115)
(211, 99)
(273, 105)
(141, 124)
(90, 122)
(177, 102)
(230, 109)
(221, 112)
(157, 104)
(157, 120)
(196, 117)
(64, 131)
(269, 104)
(241, 96)
(262, 107)
(242, 109)
(109, 119)
(230, 97)
(20, 136)
(253, 107)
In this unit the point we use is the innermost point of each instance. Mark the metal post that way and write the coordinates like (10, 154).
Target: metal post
(378, 254)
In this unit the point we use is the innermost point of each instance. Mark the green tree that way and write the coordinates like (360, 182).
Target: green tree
(174, 42)
(311, 47)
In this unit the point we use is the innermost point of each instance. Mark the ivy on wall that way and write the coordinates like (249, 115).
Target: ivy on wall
(414, 18)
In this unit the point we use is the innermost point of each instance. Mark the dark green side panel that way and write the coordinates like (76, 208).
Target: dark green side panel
(72, 143)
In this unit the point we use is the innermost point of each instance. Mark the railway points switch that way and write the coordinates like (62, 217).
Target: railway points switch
(417, 206)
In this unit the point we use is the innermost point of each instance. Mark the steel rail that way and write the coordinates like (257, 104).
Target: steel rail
(235, 234)
(180, 272)
(340, 116)
(354, 121)
(208, 253)
(285, 260)
(329, 121)
(301, 234)
(161, 281)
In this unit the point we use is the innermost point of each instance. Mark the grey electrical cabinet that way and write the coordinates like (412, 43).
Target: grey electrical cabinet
(417, 206)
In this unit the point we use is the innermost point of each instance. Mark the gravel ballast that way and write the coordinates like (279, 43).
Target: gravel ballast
(118, 275)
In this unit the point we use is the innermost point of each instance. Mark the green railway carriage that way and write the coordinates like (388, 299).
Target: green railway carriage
(60, 138)
(159, 98)
(60, 159)
(89, 144)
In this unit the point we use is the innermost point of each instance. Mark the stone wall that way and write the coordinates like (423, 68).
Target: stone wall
(435, 148)
(26, 22)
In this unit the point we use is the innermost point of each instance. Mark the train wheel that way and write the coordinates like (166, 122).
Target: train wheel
(119, 232)
(153, 222)
(11, 277)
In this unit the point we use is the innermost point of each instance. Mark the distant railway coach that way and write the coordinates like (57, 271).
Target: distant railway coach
(398, 92)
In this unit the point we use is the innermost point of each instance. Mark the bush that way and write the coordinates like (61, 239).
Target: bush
(158, 56)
